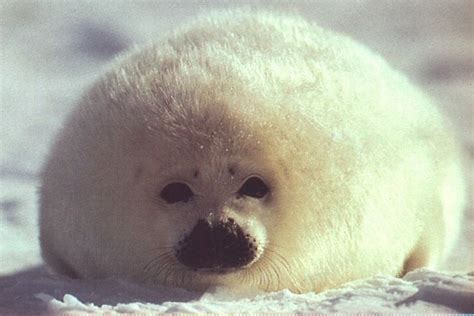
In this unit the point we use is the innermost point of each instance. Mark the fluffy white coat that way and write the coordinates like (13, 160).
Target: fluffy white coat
(365, 175)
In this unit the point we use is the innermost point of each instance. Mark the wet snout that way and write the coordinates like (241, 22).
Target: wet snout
(216, 246)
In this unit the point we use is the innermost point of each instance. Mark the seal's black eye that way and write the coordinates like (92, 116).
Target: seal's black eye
(254, 187)
(176, 192)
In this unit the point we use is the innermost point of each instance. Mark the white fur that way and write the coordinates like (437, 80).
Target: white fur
(364, 173)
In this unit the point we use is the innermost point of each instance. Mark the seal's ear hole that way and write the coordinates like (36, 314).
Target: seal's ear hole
(176, 192)
(254, 187)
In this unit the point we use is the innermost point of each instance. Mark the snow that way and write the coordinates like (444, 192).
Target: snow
(51, 50)
(419, 291)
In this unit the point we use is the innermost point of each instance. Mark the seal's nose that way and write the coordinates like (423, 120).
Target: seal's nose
(223, 245)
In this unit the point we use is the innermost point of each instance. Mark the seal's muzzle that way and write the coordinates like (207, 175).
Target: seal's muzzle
(216, 246)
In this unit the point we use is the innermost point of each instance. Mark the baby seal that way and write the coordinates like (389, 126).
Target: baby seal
(250, 148)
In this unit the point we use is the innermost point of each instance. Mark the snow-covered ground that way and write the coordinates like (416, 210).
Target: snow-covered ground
(50, 50)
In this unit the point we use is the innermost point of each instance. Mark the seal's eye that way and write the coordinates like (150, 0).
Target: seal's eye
(254, 187)
(176, 192)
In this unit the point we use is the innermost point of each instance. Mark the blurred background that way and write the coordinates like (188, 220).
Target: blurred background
(51, 50)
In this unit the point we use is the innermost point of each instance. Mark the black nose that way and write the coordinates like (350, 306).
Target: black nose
(223, 245)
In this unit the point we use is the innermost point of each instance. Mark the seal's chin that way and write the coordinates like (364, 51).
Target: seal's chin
(217, 271)
(221, 270)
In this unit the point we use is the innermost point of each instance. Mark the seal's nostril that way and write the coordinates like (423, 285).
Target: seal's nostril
(222, 245)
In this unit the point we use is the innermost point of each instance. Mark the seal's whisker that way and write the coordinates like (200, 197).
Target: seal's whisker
(156, 259)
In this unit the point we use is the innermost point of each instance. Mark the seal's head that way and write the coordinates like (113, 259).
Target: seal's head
(246, 149)
(174, 186)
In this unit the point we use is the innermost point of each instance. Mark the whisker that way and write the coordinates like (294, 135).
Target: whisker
(154, 260)
(278, 266)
